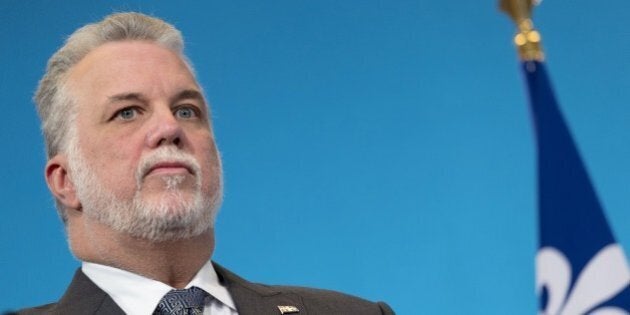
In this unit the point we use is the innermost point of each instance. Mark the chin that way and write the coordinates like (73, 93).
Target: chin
(172, 216)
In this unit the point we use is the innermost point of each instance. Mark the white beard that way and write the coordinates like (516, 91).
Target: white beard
(176, 214)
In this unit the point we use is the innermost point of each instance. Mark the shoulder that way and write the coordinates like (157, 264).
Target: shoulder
(252, 298)
(43, 309)
(81, 297)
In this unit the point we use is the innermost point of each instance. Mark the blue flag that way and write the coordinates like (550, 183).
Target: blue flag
(580, 268)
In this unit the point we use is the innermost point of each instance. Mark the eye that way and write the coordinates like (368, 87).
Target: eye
(185, 113)
(127, 113)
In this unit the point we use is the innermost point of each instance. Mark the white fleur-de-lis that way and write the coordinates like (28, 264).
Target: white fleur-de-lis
(603, 277)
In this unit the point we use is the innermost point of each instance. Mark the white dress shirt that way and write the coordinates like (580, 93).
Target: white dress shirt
(137, 295)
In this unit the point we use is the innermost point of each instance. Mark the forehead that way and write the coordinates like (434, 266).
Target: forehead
(129, 66)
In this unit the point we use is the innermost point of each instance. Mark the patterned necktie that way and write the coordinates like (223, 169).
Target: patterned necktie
(182, 302)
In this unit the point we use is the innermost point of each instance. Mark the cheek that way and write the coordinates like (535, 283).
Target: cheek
(211, 168)
(116, 166)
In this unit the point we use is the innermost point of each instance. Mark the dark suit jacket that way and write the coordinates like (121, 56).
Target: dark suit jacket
(84, 297)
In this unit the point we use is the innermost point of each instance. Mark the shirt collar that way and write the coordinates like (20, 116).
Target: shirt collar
(138, 295)
(207, 280)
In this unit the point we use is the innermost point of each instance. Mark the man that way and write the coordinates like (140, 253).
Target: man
(136, 175)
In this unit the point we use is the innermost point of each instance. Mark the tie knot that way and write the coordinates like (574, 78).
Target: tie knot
(186, 301)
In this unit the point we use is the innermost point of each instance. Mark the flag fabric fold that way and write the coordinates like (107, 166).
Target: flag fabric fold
(580, 268)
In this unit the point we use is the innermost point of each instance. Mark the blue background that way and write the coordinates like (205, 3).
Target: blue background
(380, 148)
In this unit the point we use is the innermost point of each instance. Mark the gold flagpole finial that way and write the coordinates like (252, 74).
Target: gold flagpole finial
(528, 39)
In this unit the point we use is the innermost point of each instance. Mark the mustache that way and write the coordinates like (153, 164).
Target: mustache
(166, 155)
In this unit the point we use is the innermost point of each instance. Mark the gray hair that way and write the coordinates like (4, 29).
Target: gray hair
(54, 104)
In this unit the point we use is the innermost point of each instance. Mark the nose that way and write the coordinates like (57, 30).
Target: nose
(165, 131)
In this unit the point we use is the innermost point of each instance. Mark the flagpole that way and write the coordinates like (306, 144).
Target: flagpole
(527, 39)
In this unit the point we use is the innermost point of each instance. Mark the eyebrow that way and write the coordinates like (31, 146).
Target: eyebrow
(125, 97)
(189, 94)
(132, 96)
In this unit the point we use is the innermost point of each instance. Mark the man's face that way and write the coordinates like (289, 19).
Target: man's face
(143, 157)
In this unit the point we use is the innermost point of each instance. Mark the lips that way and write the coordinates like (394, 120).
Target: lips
(169, 168)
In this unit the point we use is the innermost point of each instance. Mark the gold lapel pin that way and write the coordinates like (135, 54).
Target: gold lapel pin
(288, 309)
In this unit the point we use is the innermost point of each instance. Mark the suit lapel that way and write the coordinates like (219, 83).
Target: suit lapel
(85, 297)
(256, 299)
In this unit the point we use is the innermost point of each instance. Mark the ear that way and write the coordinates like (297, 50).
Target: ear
(60, 183)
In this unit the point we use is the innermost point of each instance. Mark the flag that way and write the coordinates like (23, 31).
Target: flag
(580, 268)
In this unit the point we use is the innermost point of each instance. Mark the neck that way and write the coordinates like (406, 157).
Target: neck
(172, 262)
